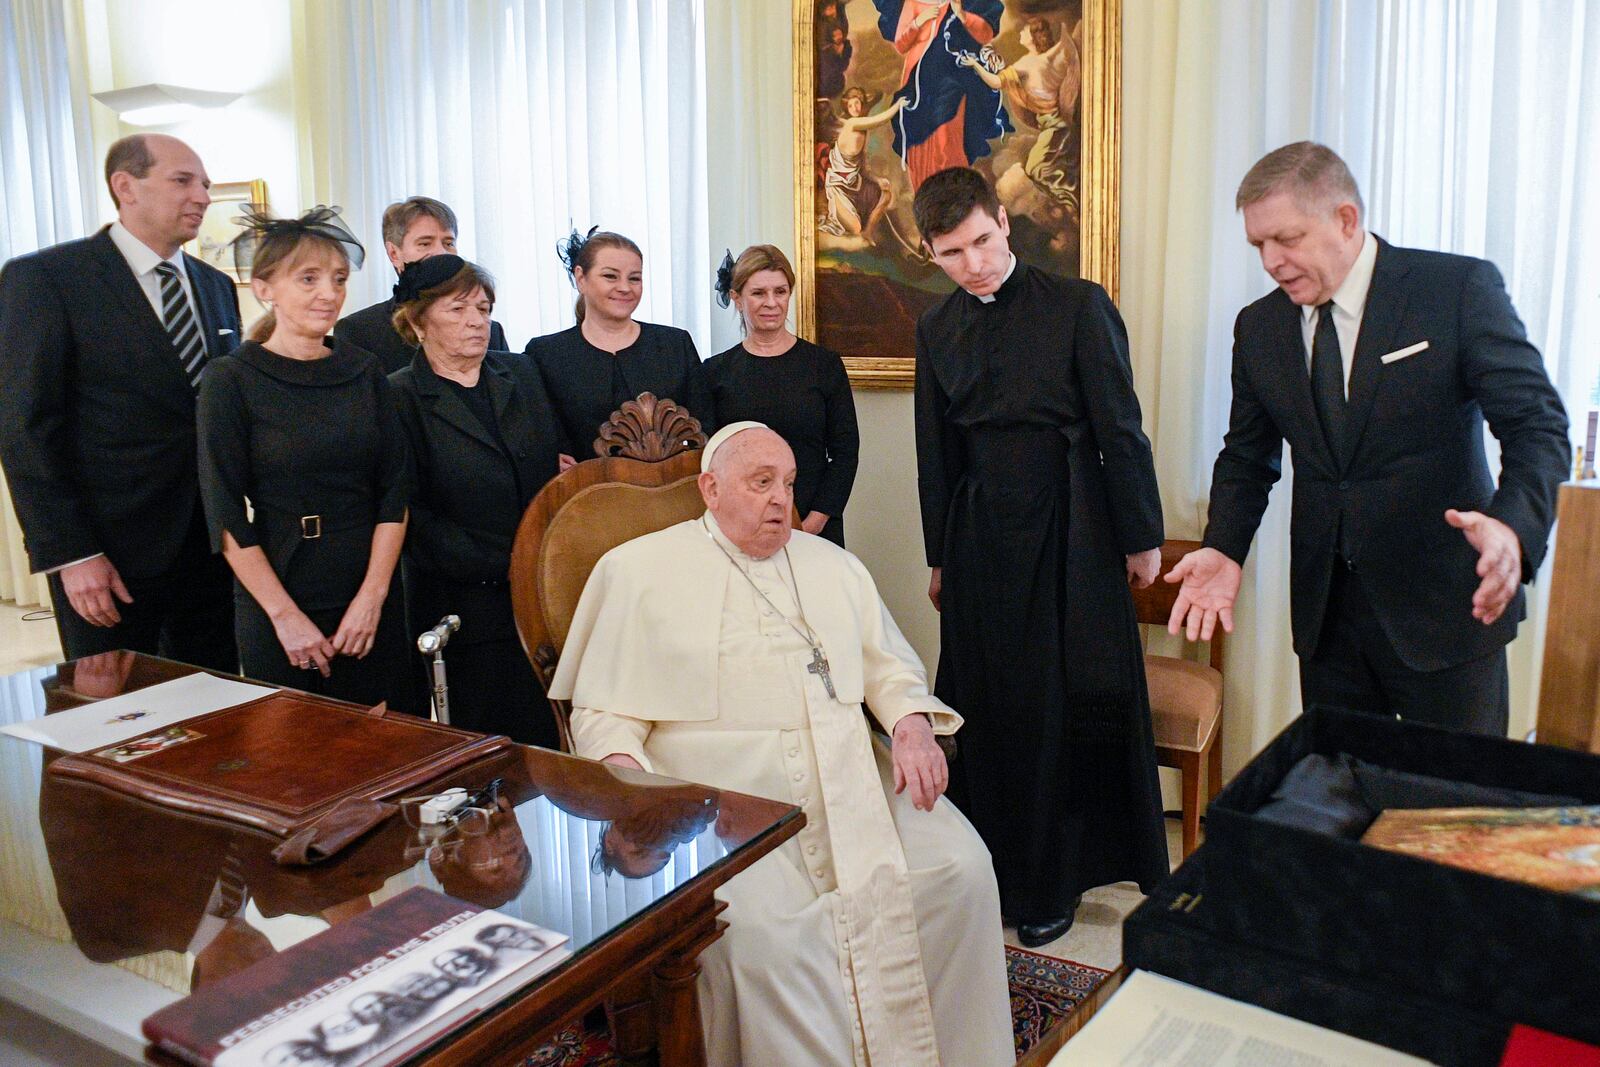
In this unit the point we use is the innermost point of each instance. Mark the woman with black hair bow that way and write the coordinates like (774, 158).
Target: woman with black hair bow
(609, 356)
(303, 426)
(484, 440)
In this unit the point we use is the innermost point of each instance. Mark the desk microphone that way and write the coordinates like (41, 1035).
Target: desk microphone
(435, 639)
(432, 643)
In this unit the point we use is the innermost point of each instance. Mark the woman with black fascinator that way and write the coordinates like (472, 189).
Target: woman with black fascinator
(609, 356)
(304, 427)
(484, 440)
(797, 388)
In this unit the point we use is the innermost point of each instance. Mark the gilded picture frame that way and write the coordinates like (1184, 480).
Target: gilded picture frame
(863, 276)
(213, 244)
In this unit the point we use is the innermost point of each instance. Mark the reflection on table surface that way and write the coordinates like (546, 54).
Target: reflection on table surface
(579, 847)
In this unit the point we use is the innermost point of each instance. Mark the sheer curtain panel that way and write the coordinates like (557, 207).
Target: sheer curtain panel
(528, 117)
(46, 180)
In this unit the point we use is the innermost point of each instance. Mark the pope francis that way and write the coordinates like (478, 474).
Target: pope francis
(734, 651)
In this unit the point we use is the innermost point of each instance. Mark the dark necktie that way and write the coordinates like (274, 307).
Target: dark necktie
(181, 325)
(1327, 380)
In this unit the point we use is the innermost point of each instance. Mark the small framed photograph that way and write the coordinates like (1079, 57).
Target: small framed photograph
(214, 244)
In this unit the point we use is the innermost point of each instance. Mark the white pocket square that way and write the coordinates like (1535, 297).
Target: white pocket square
(1402, 353)
(223, 333)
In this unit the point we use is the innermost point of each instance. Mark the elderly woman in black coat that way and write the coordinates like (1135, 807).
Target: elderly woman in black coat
(484, 441)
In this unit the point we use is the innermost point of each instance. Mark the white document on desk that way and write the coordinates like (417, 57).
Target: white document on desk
(111, 721)
(1153, 1021)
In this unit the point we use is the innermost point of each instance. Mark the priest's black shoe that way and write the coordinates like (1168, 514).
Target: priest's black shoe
(1032, 935)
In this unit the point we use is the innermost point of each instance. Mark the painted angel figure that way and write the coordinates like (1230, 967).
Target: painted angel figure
(1041, 91)
(856, 199)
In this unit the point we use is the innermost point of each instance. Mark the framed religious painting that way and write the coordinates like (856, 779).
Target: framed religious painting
(213, 245)
(888, 92)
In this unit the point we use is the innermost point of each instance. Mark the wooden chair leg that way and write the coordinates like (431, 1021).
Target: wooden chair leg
(1214, 765)
(1190, 769)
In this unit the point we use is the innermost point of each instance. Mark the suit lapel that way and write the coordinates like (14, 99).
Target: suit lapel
(1380, 320)
(503, 395)
(213, 316)
(118, 277)
(1288, 348)
(513, 417)
(445, 404)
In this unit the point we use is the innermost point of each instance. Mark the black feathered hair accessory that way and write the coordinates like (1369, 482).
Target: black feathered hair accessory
(569, 248)
(723, 286)
(321, 221)
(423, 274)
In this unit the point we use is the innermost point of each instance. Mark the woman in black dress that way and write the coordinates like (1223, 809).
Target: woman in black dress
(795, 387)
(484, 440)
(610, 357)
(304, 427)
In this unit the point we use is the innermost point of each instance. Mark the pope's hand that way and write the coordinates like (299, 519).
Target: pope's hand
(919, 762)
(621, 760)
(1210, 586)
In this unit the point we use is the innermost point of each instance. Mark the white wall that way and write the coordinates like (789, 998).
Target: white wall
(241, 46)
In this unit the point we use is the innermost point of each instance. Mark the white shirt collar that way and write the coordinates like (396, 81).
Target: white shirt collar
(726, 542)
(988, 298)
(140, 256)
(1351, 296)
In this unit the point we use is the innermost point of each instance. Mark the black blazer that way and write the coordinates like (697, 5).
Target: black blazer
(97, 419)
(1415, 448)
(470, 495)
(372, 328)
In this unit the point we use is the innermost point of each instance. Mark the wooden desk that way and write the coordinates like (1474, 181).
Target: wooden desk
(138, 886)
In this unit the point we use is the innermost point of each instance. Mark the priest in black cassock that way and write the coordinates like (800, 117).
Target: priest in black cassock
(1039, 508)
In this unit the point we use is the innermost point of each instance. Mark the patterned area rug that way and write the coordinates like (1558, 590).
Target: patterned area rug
(1044, 990)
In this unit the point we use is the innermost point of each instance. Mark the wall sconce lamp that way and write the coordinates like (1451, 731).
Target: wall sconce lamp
(162, 105)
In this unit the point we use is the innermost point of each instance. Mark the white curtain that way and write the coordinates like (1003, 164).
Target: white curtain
(46, 180)
(1470, 126)
(527, 118)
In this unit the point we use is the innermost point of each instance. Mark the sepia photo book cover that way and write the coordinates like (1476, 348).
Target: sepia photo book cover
(1553, 848)
(372, 990)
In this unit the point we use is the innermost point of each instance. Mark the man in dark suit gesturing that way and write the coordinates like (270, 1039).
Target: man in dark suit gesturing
(1379, 366)
(102, 344)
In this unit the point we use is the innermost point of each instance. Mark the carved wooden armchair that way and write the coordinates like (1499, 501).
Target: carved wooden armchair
(642, 481)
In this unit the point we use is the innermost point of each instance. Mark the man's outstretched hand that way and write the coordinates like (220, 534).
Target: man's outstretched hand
(1210, 586)
(1499, 561)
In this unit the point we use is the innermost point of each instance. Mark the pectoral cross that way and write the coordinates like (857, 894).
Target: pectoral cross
(819, 667)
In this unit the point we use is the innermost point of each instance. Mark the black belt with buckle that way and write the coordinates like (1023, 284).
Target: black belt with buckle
(310, 527)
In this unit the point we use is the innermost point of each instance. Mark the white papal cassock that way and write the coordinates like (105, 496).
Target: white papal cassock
(874, 935)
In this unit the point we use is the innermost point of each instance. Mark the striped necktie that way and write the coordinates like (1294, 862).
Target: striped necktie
(181, 324)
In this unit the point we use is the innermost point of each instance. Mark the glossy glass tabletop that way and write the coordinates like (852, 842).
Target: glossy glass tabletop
(111, 907)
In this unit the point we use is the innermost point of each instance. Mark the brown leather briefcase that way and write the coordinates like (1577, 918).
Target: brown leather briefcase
(315, 771)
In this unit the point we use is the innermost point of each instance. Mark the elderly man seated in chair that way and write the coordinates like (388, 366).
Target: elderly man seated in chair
(735, 651)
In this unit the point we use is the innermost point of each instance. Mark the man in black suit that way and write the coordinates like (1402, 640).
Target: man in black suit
(413, 229)
(102, 345)
(1379, 366)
